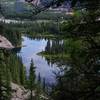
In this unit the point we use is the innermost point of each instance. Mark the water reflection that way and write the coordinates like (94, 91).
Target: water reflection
(32, 47)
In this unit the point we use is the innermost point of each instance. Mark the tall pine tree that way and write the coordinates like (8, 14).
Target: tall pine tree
(32, 77)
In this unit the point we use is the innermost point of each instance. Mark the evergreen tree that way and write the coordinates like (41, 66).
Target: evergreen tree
(5, 89)
(8, 85)
(32, 77)
(1, 83)
(39, 78)
(22, 72)
(44, 84)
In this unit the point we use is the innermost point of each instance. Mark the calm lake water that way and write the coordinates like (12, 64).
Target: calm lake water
(32, 47)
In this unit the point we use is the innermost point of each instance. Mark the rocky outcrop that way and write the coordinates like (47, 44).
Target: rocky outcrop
(5, 43)
(19, 92)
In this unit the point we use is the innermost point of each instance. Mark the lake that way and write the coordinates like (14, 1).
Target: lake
(29, 51)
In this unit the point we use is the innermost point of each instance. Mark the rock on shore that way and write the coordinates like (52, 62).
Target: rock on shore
(5, 43)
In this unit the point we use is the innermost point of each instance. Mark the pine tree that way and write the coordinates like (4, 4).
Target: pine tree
(8, 84)
(1, 83)
(5, 89)
(38, 87)
(39, 78)
(22, 72)
(32, 78)
(44, 84)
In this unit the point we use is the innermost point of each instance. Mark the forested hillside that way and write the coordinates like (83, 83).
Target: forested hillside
(18, 9)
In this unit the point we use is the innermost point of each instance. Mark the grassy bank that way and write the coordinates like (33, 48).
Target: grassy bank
(60, 55)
